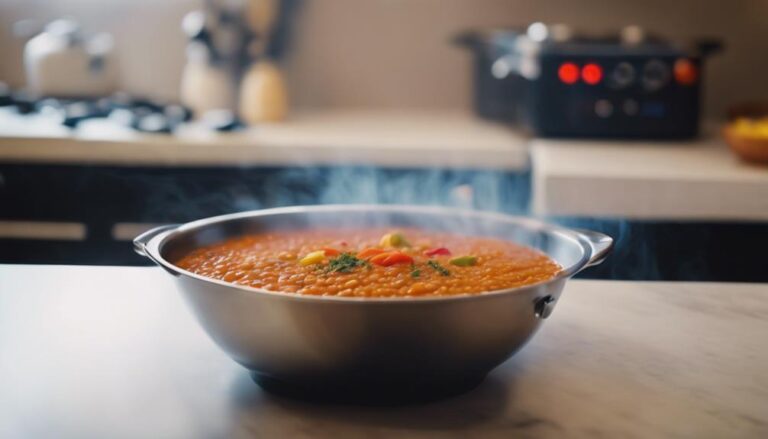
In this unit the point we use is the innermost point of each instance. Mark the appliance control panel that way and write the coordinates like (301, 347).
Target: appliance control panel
(605, 96)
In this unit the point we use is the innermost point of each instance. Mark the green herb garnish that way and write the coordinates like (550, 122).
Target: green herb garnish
(345, 263)
(415, 272)
(439, 268)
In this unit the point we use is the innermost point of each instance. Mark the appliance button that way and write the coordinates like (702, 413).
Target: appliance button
(568, 73)
(592, 74)
(686, 72)
(656, 75)
(603, 108)
(630, 107)
(623, 75)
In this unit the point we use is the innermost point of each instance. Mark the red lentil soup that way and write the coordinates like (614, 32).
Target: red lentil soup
(371, 263)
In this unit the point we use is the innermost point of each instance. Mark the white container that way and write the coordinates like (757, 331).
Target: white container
(60, 61)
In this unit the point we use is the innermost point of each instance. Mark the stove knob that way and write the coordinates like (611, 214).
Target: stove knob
(221, 120)
(78, 111)
(622, 76)
(603, 108)
(154, 123)
(50, 107)
(656, 75)
(631, 107)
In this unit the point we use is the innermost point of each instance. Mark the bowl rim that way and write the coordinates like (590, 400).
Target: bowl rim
(154, 245)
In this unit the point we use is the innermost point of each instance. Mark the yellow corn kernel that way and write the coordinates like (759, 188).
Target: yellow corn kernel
(313, 258)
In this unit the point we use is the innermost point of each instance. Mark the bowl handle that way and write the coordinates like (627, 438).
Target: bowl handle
(600, 244)
(140, 245)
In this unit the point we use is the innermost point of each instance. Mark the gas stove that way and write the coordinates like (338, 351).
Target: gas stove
(136, 113)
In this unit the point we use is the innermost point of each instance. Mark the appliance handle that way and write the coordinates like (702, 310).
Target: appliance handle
(141, 242)
(600, 245)
(709, 46)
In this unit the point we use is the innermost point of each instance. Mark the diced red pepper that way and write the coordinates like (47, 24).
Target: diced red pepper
(379, 258)
(370, 252)
(331, 252)
(391, 258)
(398, 258)
(438, 251)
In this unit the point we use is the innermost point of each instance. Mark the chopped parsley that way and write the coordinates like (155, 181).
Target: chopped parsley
(345, 263)
(415, 272)
(439, 268)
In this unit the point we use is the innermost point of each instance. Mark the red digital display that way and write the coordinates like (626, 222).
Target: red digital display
(592, 74)
(568, 73)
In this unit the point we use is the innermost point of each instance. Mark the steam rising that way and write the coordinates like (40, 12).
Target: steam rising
(176, 201)
(181, 200)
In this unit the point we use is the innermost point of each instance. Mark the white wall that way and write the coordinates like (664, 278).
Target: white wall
(395, 53)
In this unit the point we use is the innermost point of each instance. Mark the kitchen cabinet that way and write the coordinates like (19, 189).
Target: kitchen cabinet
(110, 201)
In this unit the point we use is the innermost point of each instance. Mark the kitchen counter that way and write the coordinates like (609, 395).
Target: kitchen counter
(112, 352)
(698, 180)
(381, 138)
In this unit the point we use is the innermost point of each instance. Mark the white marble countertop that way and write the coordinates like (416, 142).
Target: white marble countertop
(369, 137)
(698, 180)
(112, 352)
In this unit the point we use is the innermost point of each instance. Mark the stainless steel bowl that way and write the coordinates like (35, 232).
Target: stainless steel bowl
(413, 345)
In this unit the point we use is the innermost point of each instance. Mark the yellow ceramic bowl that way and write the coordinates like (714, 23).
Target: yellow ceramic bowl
(748, 138)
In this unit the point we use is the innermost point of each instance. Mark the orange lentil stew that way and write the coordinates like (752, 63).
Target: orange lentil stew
(371, 263)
